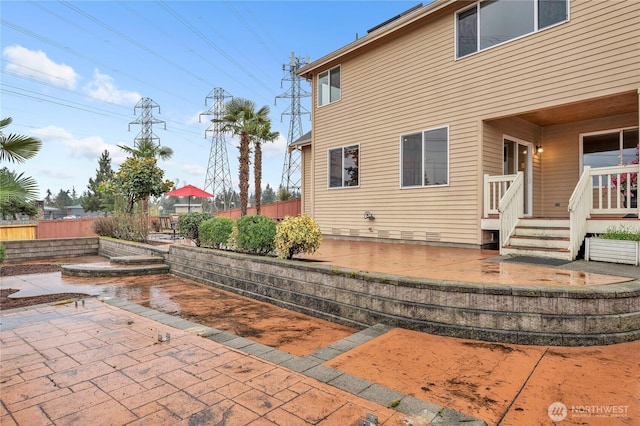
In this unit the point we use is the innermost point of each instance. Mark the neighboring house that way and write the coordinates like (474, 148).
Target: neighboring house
(421, 126)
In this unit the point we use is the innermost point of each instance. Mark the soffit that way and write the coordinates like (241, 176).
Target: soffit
(586, 110)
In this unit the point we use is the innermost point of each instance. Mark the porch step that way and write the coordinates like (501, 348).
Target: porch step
(542, 232)
(539, 241)
(540, 237)
(544, 222)
(563, 254)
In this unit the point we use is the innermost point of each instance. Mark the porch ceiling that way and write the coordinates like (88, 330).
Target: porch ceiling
(586, 110)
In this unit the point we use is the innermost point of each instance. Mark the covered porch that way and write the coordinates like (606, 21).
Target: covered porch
(555, 175)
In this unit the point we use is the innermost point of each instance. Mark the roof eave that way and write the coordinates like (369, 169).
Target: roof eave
(308, 70)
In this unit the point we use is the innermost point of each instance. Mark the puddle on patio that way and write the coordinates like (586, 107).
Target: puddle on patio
(268, 324)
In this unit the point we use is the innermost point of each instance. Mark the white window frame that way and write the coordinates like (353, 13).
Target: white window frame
(343, 186)
(619, 130)
(476, 5)
(328, 73)
(422, 132)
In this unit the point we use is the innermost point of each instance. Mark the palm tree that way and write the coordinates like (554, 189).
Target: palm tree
(241, 119)
(17, 149)
(264, 134)
(147, 149)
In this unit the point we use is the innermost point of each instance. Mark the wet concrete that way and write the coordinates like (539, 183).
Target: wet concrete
(459, 264)
(503, 384)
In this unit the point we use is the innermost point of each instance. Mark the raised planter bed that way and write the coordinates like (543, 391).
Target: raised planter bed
(613, 251)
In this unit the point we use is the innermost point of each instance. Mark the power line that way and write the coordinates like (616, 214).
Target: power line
(206, 39)
(130, 40)
(86, 58)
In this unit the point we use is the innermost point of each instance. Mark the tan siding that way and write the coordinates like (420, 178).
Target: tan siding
(307, 189)
(413, 82)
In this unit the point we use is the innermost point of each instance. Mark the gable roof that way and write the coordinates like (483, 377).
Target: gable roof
(301, 141)
(380, 33)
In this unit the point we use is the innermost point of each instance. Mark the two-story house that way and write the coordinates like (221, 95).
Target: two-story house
(467, 122)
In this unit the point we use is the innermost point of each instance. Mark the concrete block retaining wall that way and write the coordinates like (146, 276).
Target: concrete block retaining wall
(26, 250)
(110, 247)
(561, 316)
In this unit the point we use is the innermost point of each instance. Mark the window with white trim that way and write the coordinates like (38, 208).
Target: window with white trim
(344, 166)
(609, 148)
(329, 86)
(492, 22)
(424, 158)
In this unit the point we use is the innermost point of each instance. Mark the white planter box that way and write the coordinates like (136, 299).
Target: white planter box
(613, 251)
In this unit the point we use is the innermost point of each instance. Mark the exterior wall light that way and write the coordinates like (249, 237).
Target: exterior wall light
(539, 149)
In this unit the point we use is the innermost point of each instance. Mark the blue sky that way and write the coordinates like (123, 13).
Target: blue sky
(72, 73)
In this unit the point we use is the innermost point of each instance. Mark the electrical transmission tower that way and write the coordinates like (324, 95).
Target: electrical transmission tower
(291, 170)
(146, 120)
(218, 178)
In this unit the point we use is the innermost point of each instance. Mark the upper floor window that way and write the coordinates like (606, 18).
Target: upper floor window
(492, 22)
(425, 158)
(329, 86)
(344, 166)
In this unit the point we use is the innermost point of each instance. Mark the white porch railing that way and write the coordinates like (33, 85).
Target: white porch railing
(580, 205)
(611, 197)
(494, 189)
(511, 208)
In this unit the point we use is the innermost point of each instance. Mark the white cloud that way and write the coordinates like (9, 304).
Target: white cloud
(90, 147)
(103, 88)
(194, 169)
(36, 64)
(275, 149)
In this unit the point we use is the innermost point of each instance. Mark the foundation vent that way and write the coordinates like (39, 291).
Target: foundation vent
(383, 234)
(354, 232)
(406, 235)
(336, 231)
(432, 236)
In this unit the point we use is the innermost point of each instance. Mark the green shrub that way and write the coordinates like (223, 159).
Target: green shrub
(215, 232)
(188, 225)
(623, 232)
(2, 252)
(255, 234)
(299, 234)
(122, 226)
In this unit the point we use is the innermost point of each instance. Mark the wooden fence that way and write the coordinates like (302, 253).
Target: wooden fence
(46, 229)
(277, 210)
(83, 227)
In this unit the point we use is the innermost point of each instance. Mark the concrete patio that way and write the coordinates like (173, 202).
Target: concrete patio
(102, 361)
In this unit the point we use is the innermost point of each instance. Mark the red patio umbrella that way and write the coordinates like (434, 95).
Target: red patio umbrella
(189, 191)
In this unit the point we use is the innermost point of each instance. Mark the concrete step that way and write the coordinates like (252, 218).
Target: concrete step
(136, 260)
(108, 269)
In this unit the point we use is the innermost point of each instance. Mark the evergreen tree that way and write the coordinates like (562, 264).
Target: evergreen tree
(269, 195)
(96, 198)
(63, 199)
